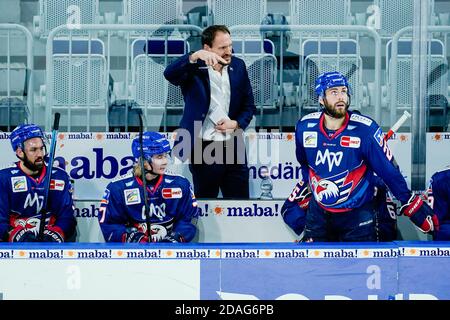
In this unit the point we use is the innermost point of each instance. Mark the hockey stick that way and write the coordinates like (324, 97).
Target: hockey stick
(397, 125)
(48, 176)
(144, 181)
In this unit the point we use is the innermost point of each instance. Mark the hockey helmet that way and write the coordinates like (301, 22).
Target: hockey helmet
(24, 132)
(153, 143)
(329, 80)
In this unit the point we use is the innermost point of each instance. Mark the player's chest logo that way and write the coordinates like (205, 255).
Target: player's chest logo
(155, 210)
(19, 184)
(333, 190)
(132, 196)
(34, 199)
(172, 193)
(310, 139)
(329, 158)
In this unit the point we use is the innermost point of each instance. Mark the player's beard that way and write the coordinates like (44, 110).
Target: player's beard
(333, 111)
(33, 166)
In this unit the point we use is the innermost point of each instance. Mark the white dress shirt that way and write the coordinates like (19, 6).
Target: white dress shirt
(219, 106)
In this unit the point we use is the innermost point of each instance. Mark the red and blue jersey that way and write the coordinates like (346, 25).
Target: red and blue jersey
(171, 201)
(439, 195)
(339, 165)
(22, 198)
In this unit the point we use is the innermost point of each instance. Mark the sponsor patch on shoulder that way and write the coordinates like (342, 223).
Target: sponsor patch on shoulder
(314, 115)
(19, 184)
(124, 176)
(361, 119)
(378, 136)
(132, 196)
(57, 185)
(310, 139)
(350, 142)
(172, 193)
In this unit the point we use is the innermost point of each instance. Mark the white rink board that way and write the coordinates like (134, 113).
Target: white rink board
(219, 222)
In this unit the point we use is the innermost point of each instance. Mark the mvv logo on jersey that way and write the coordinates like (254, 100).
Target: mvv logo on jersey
(132, 196)
(172, 193)
(19, 184)
(32, 200)
(331, 158)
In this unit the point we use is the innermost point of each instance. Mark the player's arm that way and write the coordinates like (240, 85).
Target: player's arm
(300, 153)
(295, 207)
(377, 153)
(63, 222)
(4, 211)
(438, 198)
(187, 213)
(112, 218)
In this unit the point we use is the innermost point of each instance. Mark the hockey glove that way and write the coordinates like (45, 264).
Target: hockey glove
(53, 234)
(174, 237)
(420, 214)
(134, 236)
(22, 234)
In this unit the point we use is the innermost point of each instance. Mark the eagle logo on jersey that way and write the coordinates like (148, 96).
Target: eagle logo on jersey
(336, 189)
(327, 192)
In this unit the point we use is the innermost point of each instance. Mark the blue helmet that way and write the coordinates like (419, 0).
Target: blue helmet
(24, 132)
(153, 143)
(329, 80)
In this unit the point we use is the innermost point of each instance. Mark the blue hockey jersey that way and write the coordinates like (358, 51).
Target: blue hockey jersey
(22, 196)
(339, 165)
(172, 207)
(439, 199)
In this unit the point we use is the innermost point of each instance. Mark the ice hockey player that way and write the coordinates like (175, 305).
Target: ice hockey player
(439, 199)
(23, 189)
(339, 151)
(172, 206)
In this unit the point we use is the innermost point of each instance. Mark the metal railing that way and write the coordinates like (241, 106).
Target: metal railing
(108, 31)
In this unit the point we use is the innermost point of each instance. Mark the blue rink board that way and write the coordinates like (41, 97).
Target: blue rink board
(397, 270)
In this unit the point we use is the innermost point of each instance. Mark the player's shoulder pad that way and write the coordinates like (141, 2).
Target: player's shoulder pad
(175, 179)
(443, 174)
(361, 119)
(123, 177)
(9, 167)
(60, 172)
(314, 115)
(10, 170)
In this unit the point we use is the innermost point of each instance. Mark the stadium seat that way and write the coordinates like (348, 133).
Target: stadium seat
(237, 12)
(77, 84)
(53, 13)
(154, 12)
(390, 12)
(329, 55)
(15, 76)
(150, 90)
(437, 82)
(324, 12)
(261, 63)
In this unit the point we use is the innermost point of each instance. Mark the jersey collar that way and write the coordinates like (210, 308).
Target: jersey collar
(338, 132)
(153, 189)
